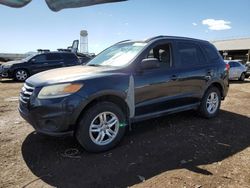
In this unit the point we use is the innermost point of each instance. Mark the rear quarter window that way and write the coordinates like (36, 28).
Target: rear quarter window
(211, 52)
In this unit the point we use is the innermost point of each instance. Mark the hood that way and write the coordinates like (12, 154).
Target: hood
(68, 74)
(9, 63)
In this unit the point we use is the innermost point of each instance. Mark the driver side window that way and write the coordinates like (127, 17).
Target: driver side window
(163, 54)
(40, 58)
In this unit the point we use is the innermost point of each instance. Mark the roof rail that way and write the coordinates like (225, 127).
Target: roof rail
(43, 50)
(123, 41)
(63, 50)
(153, 38)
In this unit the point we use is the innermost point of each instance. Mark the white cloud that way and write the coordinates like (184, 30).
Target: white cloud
(194, 24)
(217, 25)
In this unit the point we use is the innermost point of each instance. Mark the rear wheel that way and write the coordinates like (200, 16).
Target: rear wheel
(101, 127)
(21, 75)
(242, 77)
(210, 103)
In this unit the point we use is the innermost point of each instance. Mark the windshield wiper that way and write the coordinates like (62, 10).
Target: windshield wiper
(97, 65)
(94, 65)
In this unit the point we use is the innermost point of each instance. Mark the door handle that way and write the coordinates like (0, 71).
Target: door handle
(209, 71)
(174, 77)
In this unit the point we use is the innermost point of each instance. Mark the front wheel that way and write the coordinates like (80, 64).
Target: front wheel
(21, 75)
(101, 127)
(210, 103)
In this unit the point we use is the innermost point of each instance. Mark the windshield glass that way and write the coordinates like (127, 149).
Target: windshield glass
(118, 55)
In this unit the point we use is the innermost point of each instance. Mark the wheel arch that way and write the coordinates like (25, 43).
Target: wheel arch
(107, 97)
(217, 85)
(19, 68)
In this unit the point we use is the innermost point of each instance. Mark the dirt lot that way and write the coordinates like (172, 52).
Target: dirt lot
(180, 150)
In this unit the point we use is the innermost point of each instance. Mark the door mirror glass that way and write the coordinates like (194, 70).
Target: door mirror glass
(33, 60)
(150, 63)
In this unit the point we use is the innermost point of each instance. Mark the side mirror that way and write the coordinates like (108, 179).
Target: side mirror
(150, 63)
(33, 60)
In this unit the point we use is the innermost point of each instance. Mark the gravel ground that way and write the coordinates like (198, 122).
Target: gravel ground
(181, 150)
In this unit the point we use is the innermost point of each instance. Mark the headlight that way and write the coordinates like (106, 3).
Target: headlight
(60, 90)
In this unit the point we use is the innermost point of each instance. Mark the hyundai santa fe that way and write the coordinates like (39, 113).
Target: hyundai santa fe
(128, 82)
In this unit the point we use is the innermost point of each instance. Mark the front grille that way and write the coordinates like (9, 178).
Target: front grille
(25, 93)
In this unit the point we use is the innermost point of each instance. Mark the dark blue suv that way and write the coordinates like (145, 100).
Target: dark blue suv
(22, 69)
(128, 82)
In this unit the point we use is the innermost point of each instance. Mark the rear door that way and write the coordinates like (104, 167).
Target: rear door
(54, 60)
(233, 72)
(194, 71)
(70, 59)
(239, 69)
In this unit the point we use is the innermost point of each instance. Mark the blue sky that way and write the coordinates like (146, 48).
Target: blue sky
(36, 26)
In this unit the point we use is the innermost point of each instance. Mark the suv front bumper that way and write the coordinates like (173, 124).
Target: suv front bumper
(4, 73)
(54, 117)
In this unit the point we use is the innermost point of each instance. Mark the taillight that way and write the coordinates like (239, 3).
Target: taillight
(227, 67)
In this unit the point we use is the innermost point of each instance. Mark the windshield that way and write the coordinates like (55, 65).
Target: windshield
(118, 55)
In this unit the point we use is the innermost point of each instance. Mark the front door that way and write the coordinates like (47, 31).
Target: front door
(156, 89)
(38, 63)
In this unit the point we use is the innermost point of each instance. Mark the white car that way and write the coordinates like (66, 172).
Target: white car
(237, 70)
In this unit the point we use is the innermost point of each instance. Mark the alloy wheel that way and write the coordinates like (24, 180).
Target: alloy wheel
(21, 75)
(104, 128)
(212, 102)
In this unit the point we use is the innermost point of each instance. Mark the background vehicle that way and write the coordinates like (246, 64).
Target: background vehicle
(129, 82)
(237, 70)
(21, 70)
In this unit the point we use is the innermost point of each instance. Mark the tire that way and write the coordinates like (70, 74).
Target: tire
(242, 77)
(21, 75)
(212, 98)
(94, 141)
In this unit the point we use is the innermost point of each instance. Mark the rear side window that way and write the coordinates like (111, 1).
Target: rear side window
(53, 57)
(211, 52)
(190, 54)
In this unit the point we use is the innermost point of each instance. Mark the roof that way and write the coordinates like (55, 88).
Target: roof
(164, 37)
(173, 37)
(233, 44)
